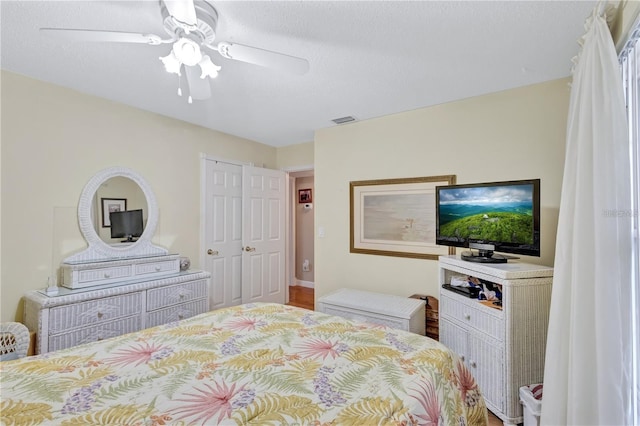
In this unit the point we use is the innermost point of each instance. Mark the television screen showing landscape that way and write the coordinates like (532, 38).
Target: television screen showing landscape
(487, 213)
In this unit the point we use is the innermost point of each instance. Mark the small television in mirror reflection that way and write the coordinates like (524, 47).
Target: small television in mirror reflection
(126, 224)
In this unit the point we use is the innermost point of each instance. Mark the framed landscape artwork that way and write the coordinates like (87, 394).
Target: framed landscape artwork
(396, 217)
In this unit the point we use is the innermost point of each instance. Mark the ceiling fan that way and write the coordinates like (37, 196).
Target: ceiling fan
(191, 26)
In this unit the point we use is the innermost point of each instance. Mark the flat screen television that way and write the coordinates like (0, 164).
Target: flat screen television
(489, 217)
(126, 224)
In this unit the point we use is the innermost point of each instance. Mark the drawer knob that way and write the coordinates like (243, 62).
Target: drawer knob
(467, 316)
(107, 275)
(100, 337)
(461, 357)
(180, 316)
(181, 295)
(473, 364)
(100, 314)
(157, 268)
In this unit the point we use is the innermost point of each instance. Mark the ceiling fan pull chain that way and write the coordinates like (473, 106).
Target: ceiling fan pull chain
(179, 88)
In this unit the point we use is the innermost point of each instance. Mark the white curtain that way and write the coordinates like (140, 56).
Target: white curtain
(587, 364)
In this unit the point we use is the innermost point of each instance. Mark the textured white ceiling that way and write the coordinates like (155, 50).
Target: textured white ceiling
(367, 59)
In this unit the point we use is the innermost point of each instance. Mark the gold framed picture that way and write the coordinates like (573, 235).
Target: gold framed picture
(396, 217)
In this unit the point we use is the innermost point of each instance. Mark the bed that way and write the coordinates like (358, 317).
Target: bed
(265, 364)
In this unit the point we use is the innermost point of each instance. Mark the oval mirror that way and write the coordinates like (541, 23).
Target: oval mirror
(116, 189)
(118, 195)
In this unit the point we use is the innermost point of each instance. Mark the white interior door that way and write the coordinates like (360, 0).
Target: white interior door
(223, 232)
(263, 232)
(239, 276)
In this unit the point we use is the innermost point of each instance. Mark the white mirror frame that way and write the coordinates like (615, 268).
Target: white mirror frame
(98, 250)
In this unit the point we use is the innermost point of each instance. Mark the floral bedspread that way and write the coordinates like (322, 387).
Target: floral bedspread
(263, 364)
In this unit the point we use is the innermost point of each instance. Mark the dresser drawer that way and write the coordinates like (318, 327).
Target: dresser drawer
(177, 312)
(160, 267)
(469, 313)
(91, 274)
(95, 333)
(94, 311)
(97, 276)
(158, 298)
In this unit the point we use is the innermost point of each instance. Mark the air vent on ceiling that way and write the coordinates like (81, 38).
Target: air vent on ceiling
(343, 120)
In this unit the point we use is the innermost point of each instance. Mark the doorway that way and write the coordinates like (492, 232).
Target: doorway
(301, 264)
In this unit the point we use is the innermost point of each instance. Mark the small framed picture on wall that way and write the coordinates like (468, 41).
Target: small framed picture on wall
(110, 205)
(304, 195)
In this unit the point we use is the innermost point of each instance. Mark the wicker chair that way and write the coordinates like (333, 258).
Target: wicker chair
(14, 340)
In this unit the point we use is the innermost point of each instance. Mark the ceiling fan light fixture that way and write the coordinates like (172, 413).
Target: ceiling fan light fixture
(209, 69)
(187, 51)
(171, 63)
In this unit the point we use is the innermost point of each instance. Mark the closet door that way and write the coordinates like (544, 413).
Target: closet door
(263, 235)
(223, 232)
(243, 233)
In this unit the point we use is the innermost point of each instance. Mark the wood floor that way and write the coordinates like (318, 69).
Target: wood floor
(303, 297)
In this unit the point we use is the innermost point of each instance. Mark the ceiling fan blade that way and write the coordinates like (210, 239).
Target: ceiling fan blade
(101, 36)
(265, 58)
(182, 11)
(199, 88)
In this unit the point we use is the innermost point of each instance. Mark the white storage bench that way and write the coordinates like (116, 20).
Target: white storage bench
(384, 309)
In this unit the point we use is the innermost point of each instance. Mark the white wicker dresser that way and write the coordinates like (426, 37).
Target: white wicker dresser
(376, 308)
(78, 316)
(503, 348)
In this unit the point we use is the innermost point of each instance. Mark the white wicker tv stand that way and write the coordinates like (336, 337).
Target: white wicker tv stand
(504, 349)
(74, 317)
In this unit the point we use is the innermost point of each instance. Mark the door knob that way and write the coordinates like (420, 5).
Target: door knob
(247, 248)
(212, 252)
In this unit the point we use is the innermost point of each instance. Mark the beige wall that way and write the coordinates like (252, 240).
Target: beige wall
(54, 140)
(293, 156)
(515, 134)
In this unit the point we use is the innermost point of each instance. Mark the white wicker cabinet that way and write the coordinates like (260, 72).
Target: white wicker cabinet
(74, 317)
(504, 349)
(377, 308)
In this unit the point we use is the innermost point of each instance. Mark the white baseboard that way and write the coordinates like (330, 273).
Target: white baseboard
(308, 284)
